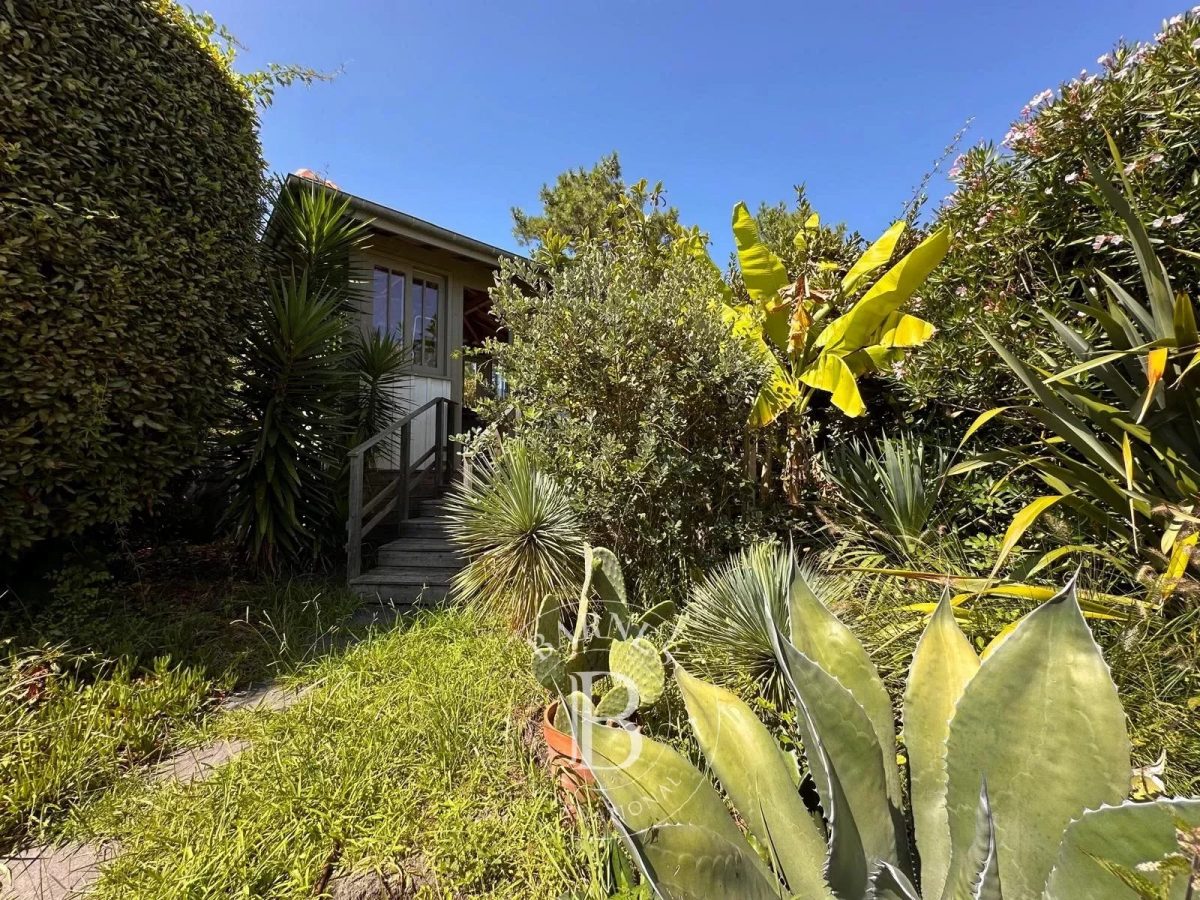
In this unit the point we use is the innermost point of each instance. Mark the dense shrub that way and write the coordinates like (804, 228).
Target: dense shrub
(130, 186)
(633, 395)
(1027, 231)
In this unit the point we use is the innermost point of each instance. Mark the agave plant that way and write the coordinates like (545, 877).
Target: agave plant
(891, 490)
(828, 333)
(1118, 434)
(726, 630)
(1018, 767)
(521, 536)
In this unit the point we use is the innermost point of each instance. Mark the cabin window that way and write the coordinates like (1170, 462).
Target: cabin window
(409, 306)
(388, 307)
(425, 319)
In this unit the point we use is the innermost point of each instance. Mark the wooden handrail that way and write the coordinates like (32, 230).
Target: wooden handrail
(394, 427)
(395, 494)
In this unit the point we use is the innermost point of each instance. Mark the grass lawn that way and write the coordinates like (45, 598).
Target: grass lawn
(405, 757)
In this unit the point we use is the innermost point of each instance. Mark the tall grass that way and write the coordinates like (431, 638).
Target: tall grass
(406, 757)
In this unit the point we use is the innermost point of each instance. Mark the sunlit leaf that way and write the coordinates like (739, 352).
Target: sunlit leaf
(762, 271)
(875, 256)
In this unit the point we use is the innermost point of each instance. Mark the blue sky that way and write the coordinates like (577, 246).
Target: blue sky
(455, 111)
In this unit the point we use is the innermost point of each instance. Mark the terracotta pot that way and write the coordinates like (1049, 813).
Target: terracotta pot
(574, 776)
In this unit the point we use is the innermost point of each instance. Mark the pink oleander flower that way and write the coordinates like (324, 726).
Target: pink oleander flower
(961, 290)
(1072, 178)
(1105, 60)
(1176, 220)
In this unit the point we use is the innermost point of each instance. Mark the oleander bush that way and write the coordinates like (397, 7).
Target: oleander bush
(130, 186)
(1028, 235)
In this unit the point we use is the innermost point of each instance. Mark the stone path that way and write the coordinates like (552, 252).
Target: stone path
(67, 871)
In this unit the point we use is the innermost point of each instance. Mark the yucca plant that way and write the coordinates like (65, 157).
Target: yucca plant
(1018, 767)
(726, 630)
(890, 490)
(522, 538)
(829, 330)
(293, 429)
(1119, 433)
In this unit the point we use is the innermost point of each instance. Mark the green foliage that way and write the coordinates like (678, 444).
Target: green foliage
(1027, 232)
(1032, 816)
(69, 728)
(585, 204)
(520, 535)
(132, 200)
(404, 754)
(631, 391)
(605, 647)
(312, 383)
(1117, 436)
(725, 631)
(821, 326)
(890, 492)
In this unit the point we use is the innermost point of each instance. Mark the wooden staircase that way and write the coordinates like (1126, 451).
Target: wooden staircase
(416, 567)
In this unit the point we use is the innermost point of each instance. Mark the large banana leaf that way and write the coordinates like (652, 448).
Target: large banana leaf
(762, 271)
(830, 373)
(860, 326)
(1042, 724)
(874, 257)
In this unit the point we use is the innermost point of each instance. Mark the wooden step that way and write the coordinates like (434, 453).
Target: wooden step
(405, 557)
(433, 544)
(423, 526)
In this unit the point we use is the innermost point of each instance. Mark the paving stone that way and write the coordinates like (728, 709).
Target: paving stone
(53, 873)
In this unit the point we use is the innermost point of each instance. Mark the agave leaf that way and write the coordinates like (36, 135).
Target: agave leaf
(852, 748)
(943, 663)
(875, 256)
(847, 867)
(762, 271)
(1047, 690)
(830, 373)
(979, 877)
(889, 883)
(860, 325)
(824, 638)
(686, 840)
(753, 772)
(1124, 835)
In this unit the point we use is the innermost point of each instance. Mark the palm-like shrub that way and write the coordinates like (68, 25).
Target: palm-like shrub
(313, 385)
(295, 381)
(1117, 433)
(889, 491)
(523, 541)
(726, 630)
(1018, 764)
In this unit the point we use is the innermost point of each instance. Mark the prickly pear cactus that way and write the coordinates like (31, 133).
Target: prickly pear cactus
(549, 668)
(618, 702)
(638, 663)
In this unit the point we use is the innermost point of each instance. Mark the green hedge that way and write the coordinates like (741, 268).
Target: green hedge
(130, 198)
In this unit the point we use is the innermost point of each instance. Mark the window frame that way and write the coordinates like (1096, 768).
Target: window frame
(411, 272)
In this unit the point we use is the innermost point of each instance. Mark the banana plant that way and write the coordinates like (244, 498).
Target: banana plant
(1118, 433)
(1018, 768)
(826, 337)
(609, 641)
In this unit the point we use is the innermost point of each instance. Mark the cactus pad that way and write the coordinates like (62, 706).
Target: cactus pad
(549, 668)
(577, 703)
(638, 663)
(618, 702)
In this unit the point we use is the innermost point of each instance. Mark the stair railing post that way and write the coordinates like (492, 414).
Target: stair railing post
(405, 475)
(354, 523)
(438, 448)
(451, 446)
